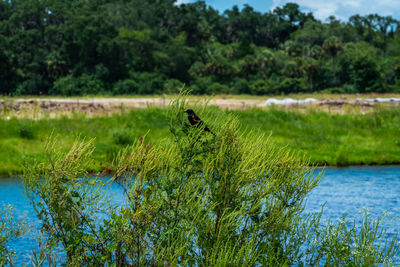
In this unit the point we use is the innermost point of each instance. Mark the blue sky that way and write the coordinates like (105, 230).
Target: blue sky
(322, 9)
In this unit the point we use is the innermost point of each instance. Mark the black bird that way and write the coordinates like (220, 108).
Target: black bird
(196, 121)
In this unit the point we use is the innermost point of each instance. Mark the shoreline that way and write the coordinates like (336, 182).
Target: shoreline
(102, 174)
(45, 108)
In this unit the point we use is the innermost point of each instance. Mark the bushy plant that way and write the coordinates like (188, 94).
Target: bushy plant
(240, 86)
(172, 86)
(345, 89)
(35, 84)
(25, 130)
(125, 87)
(292, 85)
(216, 88)
(195, 199)
(359, 66)
(122, 137)
(149, 83)
(262, 87)
(345, 243)
(10, 229)
(67, 205)
(69, 85)
(202, 85)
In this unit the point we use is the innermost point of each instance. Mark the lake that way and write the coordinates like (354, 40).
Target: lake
(342, 190)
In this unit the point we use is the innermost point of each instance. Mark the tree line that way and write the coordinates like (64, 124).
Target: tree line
(76, 47)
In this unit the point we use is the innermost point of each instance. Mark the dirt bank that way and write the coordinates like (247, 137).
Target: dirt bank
(48, 108)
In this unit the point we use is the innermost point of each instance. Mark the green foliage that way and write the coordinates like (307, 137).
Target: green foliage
(122, 137)
(125, 87)
(25, 130)
(150, 83)
(241, 86)
(82, 85)
(292, 85)
(194, 199)
(358, 63)
(348, 244)
(262, 87)
(66, 202)
(5, 109)
(10, 229)
(321, 133)
(172, 86)
(202, 85)
(131, 47)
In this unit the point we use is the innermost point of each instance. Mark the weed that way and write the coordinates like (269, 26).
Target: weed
(26, 130)
(122, 137)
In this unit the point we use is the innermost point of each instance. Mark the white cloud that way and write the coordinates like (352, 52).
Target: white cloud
(343, 9)
(178, 2)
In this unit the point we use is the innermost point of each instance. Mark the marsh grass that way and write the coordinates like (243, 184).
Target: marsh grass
(328, 139)
(333, 139)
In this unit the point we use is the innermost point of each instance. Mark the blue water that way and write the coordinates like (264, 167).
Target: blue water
(342, 190)
(349, 190)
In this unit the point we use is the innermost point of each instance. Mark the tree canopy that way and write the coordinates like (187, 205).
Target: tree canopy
(54, 47)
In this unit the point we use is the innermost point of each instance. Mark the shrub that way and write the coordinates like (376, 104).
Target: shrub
(359, 65)
(125, 87)
(241, 86)
(333, 90)
(172, 86)
(396, 87)
(201, 85)
(292, 85)
(262, 87)
(195, 199)
(69, 85)
(25, 130)
(10, 229)
(345, 89)
(216, 88)
(122, 137)
(34, 85)
(149, 83)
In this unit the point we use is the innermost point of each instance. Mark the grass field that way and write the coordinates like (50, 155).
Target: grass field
(327, 139)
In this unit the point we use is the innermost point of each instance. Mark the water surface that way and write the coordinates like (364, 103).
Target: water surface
(342, 190)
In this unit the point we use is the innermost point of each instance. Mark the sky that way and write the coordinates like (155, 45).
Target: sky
(322, 9)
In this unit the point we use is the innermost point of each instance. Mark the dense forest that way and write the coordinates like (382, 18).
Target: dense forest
(82, 47)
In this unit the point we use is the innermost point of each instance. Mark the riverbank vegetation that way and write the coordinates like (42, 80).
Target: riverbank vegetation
(194, 97)
(328, 139)
(233, 198)
(153, 47)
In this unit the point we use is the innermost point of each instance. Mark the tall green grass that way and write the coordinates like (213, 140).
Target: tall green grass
(338, 139)
(327, 139)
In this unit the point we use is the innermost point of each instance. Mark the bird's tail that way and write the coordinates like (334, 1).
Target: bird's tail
(208, 130)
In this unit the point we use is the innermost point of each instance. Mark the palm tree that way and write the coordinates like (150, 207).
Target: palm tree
(310, 68)
(332, 46)
(265, 61)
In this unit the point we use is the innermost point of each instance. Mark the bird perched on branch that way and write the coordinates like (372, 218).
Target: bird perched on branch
(196, 121)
